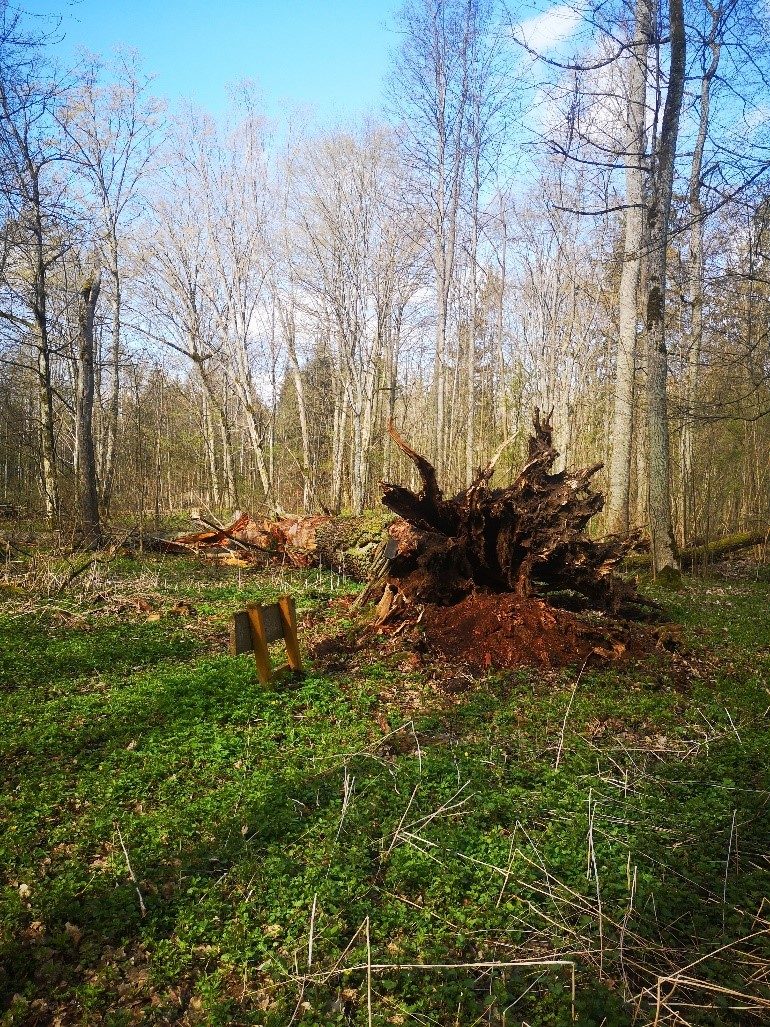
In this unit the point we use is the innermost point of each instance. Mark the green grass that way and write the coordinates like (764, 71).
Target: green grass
(138, 758)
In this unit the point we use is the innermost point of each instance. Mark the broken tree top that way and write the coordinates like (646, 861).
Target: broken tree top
(520, 539)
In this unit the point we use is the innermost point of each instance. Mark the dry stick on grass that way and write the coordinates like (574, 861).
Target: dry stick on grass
(508, 867)
(312, 928)
(369, 750)
(592, 864)
(348, 947)
(131, 874)
(757, 1002)
(298, 1005)
(375, 968)
(732, 725)
(368, 973)
(417, 747)
(573, 900)
(758, 918)
(569, 707)
(679, 975)
(624, 927)
(727, 869)
(577, 902)
(526, 992)
(397, 832)
(450, 808)
(348, 784)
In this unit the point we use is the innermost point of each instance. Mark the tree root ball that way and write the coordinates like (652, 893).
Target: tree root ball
(490, 571)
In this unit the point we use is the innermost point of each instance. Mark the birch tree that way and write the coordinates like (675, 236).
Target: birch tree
(353, 253)
(177, 293)
(432, 99)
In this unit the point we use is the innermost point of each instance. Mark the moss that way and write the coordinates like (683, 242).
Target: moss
(708, 551)
(669, 578)
(350, 542)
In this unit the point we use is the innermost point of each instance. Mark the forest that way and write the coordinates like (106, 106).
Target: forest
(470, 396)
(229, 311)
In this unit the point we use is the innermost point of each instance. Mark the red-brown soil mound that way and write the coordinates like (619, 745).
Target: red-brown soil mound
(491, 630)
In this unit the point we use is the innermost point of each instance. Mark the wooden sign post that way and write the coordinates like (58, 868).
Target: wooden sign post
(255, 628)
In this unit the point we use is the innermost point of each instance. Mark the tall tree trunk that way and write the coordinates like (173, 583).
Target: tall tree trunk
(695, 335)
(439, 360)
(662, 178)
(290, 333)
(209, 439)
(88, 489)
(113, 404)
(391, 383)
(470, 366)
(49, 477)
(502, 385)
(251, 404)
(230, 495)
(338, 443)
(619, 473)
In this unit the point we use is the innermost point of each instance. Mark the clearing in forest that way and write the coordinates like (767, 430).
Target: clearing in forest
(396, 839)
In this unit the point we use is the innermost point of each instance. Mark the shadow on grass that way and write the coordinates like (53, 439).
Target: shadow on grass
(162, 757)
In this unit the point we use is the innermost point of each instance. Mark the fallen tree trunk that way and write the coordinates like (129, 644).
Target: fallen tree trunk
(709, 552)
(527, 538)
(347, 545)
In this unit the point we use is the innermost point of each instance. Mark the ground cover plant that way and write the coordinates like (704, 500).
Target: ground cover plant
(392, 840)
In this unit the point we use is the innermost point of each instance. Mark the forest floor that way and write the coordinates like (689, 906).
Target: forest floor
(392, 840)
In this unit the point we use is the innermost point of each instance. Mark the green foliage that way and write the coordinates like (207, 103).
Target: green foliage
(138, 757)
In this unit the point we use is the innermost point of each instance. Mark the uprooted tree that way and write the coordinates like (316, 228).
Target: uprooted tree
(527, 538)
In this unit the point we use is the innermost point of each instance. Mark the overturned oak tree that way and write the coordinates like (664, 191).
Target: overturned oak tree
(526, 539)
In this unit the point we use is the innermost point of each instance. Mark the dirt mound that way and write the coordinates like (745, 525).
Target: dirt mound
(491, 630)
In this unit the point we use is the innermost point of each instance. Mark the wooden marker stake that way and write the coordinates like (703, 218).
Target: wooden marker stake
(289, 617)
(254, 629)
(259, 643)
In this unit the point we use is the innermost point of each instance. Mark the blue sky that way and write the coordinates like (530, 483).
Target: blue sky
(327, 55)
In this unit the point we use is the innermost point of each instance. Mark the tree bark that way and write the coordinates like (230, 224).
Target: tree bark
(113, 405)
(695, 335)
(88, 488)
(290, 332)
(662, 177)
(619, 472)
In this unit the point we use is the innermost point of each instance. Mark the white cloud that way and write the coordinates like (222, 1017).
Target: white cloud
(545, 31)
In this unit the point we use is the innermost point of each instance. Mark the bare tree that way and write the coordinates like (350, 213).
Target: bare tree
(432, 99)
(35, 205)
(111, 129)
(176, 293)
(355, 249)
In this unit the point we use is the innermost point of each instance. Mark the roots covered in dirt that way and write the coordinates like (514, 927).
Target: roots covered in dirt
(490, 576)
